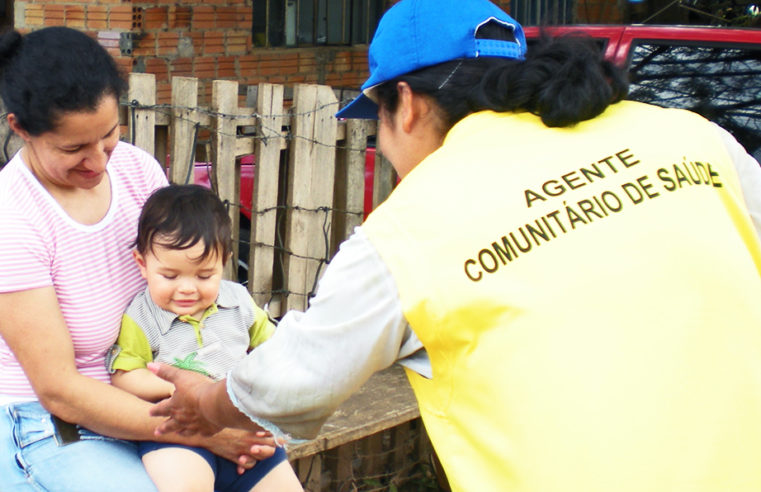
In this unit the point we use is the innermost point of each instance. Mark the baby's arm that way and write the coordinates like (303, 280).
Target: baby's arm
(143, 383)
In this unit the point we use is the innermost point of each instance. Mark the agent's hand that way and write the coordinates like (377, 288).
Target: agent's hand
(183, 408)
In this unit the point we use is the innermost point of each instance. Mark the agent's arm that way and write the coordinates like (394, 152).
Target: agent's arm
(353, 327)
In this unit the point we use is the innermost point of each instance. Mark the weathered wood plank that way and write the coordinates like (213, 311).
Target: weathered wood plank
(224, 103)
(384, 179)
(309, 471)
(384, 401)
(310, 190)
(183, 128)
(269, 106)
(142, 123)
(349, 198)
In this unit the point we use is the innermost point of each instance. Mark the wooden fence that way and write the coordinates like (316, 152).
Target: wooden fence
(303, 208)
(308, 194)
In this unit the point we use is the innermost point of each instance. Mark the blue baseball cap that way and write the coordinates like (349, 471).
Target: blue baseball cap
(415, 34)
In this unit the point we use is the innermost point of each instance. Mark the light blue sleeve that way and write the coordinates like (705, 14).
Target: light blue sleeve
(316, 359)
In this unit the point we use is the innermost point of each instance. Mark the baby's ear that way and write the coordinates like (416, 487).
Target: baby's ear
(140, 260)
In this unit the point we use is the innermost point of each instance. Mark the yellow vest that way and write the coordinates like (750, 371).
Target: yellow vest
(590, 300)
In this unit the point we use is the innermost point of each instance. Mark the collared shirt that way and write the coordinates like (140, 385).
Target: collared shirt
(210, 345)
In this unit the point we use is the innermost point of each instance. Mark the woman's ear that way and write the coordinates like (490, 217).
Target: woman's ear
(413, 108)
(14, 125)
(405, 110)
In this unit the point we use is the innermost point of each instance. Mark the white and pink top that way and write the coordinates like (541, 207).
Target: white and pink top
(90, 266)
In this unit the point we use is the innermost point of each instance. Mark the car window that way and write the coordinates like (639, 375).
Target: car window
(722, 83)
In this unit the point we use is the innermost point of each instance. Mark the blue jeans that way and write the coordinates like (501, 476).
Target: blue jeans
(32, 460)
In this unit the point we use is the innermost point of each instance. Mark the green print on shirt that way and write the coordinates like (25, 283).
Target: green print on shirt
(191, 364)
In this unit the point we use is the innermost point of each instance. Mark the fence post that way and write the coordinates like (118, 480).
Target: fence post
(350, 181)
(269, 107)
(183, 128)
(224, 104)
(142, 122)
(384, 179)
(310, 190)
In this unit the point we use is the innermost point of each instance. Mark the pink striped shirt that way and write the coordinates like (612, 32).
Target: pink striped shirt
(90, 266)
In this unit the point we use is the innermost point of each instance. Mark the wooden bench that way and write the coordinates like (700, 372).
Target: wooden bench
(376, 436)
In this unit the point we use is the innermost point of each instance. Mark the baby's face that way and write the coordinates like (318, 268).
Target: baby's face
(178, 282)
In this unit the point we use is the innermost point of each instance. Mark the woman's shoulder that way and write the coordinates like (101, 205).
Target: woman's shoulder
(18, 188)
(127, 154)
(136, 167)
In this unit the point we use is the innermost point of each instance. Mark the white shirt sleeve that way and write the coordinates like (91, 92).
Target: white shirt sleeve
(316, 359)
(749, 173)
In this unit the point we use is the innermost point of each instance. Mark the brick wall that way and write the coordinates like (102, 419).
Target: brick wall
(209, 39)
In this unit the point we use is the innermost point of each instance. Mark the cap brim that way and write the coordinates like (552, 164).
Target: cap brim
(362, 108)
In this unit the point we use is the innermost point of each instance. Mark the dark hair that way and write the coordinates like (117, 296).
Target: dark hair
(52, 71)
(563, 80)
(179, 216)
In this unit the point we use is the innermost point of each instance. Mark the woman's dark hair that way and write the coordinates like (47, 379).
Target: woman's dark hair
(52, 71)
(179, 216)
(563, 80)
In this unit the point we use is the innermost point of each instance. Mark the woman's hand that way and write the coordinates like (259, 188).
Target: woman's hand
(242, 447)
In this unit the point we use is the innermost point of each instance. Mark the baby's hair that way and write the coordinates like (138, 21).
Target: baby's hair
(181, 216)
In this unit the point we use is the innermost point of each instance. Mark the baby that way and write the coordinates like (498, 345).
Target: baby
(191, 318)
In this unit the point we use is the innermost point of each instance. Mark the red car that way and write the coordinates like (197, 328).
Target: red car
(713, 71)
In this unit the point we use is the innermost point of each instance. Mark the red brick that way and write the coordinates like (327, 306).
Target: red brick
(54, 15)
(75, 16)
(248, 64)
(120, 17)
(182, 67)
(97, 17)
(245, 16)
(237, 42)
(33, 15)
(342, 63)
(123, 63)
(226, 67)
(145, 46)
(205, 67)
(213, 42)
(203, 18)
(179, 17)
(227, 17)
(158, 67)
(156, 18)
(163, 93)
(166, 43)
